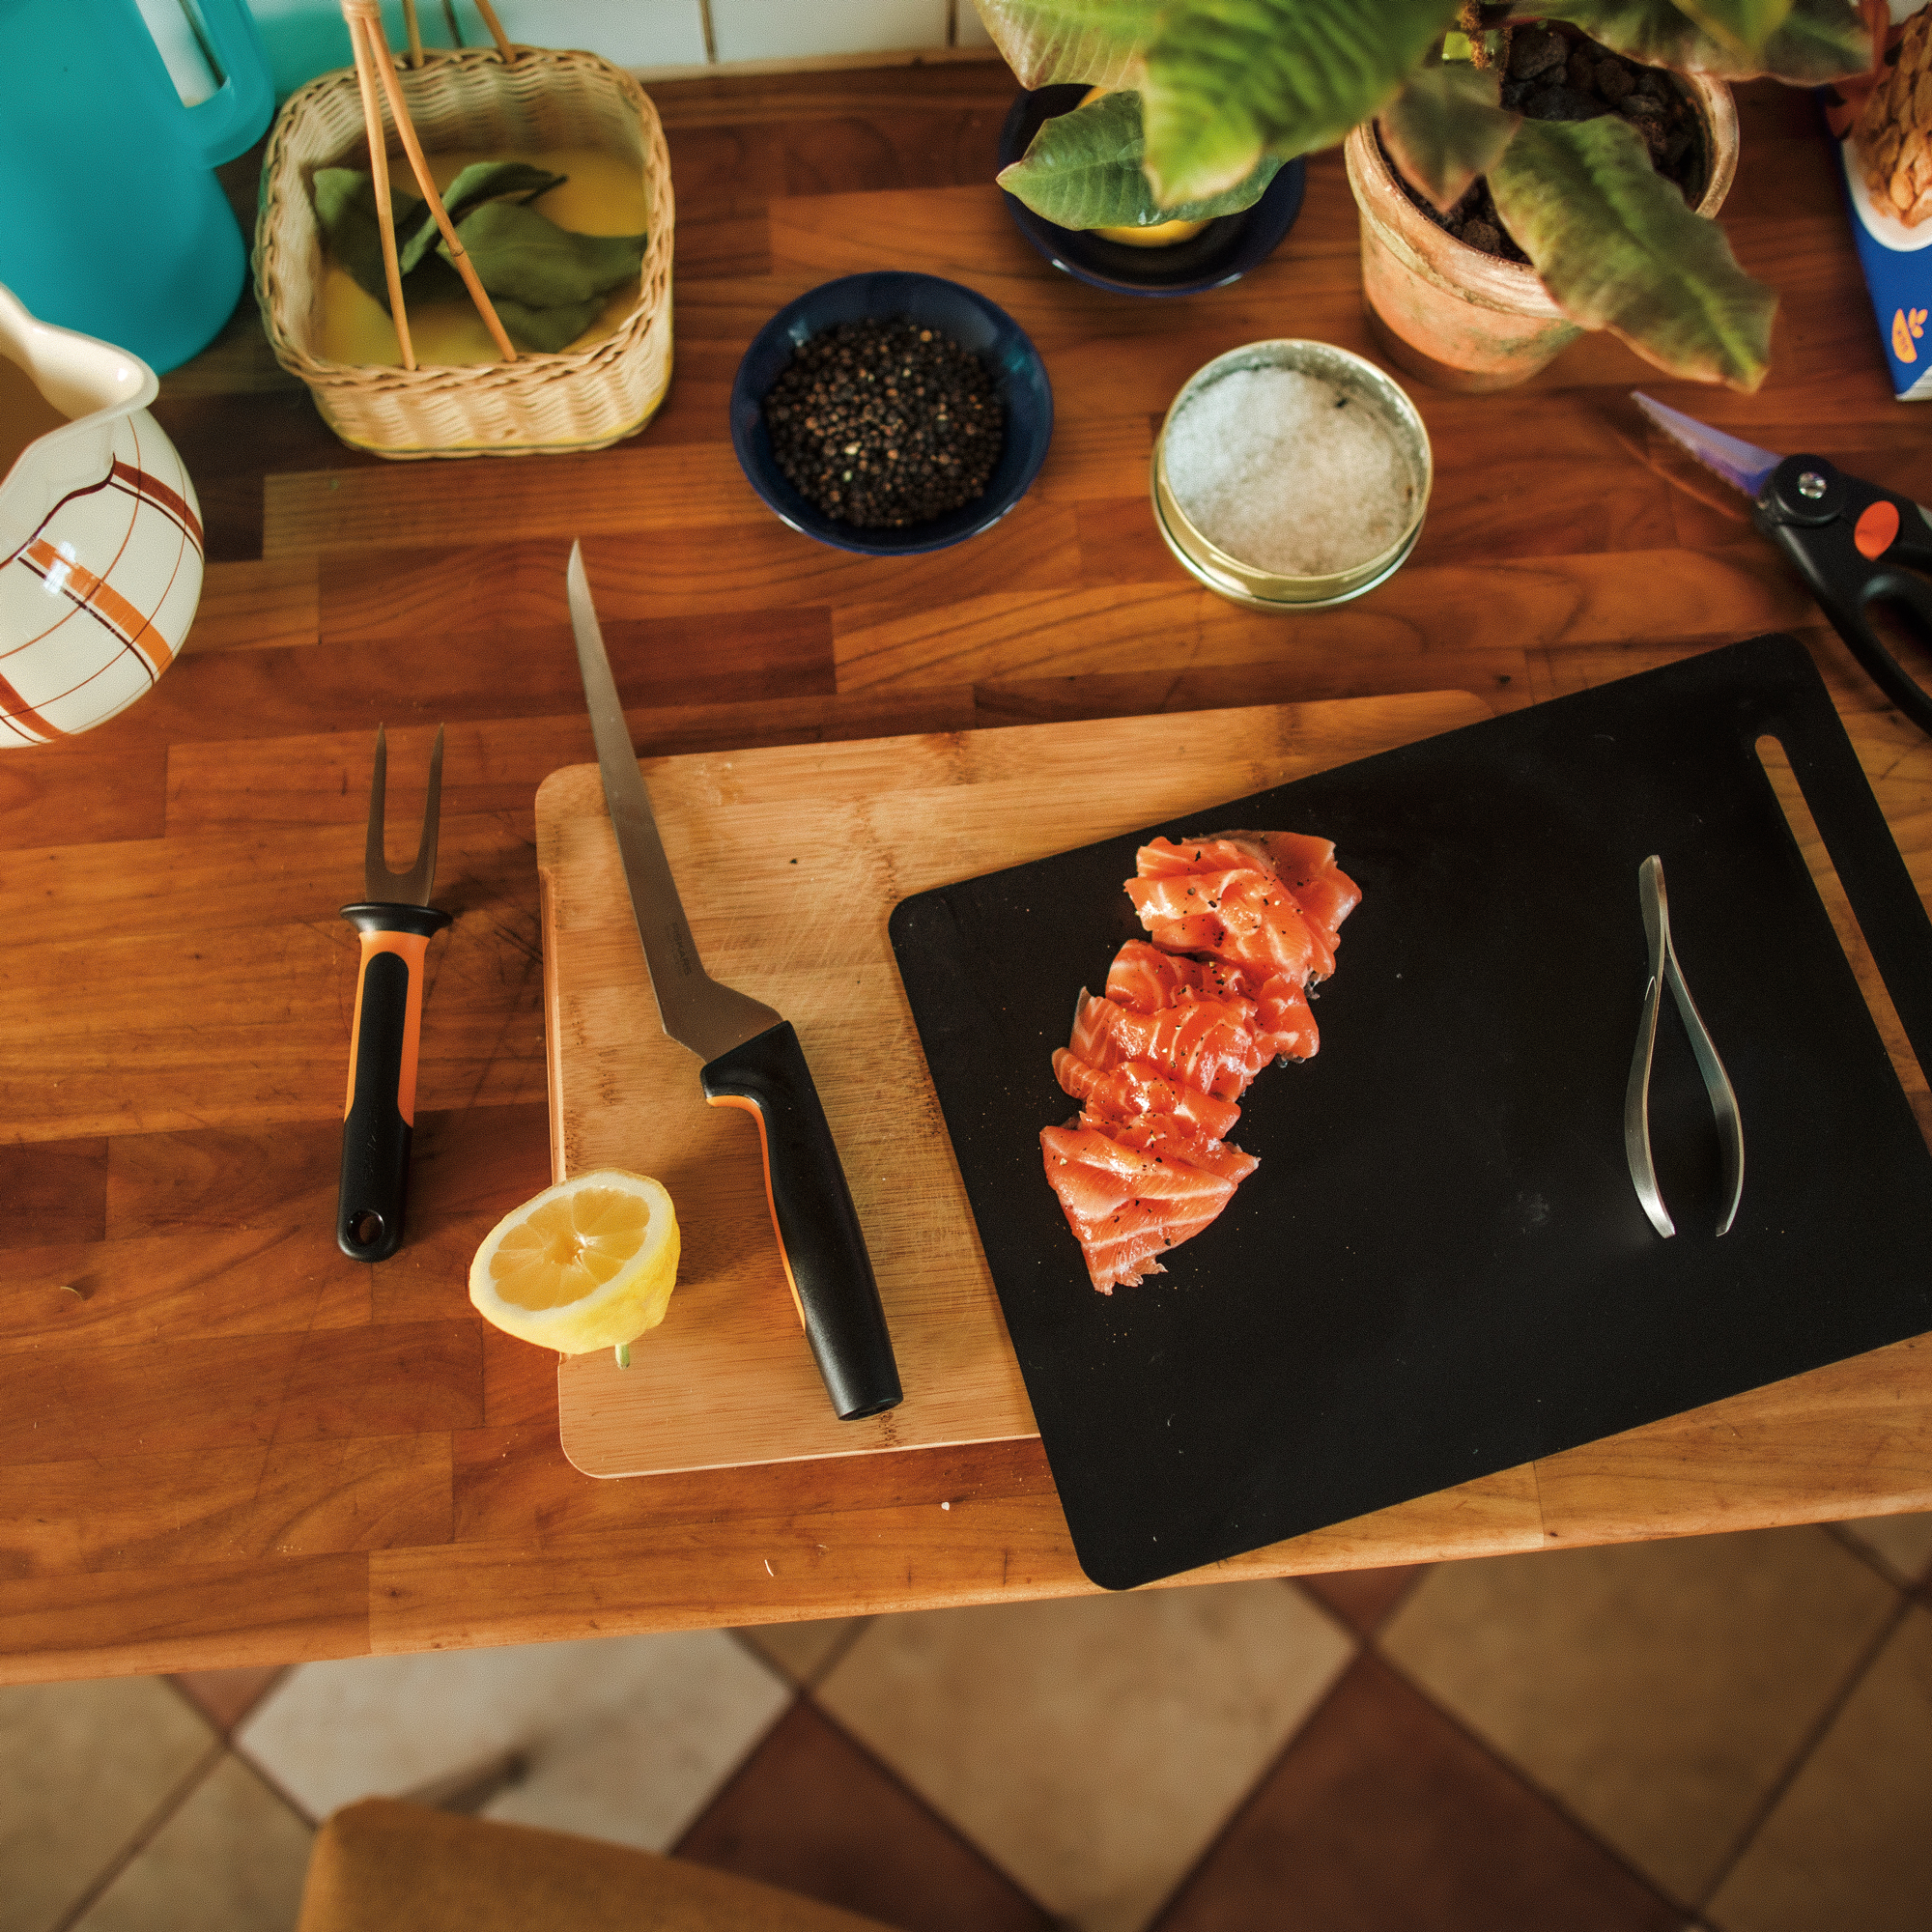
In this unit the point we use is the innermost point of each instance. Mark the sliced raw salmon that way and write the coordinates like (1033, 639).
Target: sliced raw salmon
(1285, 1026)
(1244, 915)
(1304, 864)
(1145, 978)
(1138, 1087)
(1205, 1044)
(1172, 1139)
(1127, 1204)
(1241, 924)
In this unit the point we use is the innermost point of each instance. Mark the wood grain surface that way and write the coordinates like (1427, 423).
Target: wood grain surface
(795, 857)
(222, 1442)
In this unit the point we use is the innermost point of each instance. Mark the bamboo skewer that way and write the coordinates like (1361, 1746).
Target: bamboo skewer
(496, 32)
(379, 171)
(368, 14)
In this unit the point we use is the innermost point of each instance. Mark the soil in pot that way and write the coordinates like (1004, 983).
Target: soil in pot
(1442, 307)
(1555, 73)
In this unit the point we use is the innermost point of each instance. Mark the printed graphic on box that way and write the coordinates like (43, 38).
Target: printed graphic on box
(1883, 128)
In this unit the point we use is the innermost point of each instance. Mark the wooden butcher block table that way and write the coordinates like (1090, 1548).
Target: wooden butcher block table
(222, 1442)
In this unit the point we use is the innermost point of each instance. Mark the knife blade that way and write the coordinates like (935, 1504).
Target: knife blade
(751, 1060)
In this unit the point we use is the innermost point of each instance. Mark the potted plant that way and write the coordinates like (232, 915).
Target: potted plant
(1610, 242)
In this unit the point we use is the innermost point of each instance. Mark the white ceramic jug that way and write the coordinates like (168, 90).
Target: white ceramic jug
(101, 541)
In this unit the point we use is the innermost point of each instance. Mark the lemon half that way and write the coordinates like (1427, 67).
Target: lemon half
(588, 1264)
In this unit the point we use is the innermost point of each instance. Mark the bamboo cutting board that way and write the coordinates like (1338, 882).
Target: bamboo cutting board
(789, 861)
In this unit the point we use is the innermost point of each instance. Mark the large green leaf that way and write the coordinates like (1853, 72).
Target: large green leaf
(525, 256)
(1444, 128)
(478, 183)
(1618, 249)
(1742, 25)
(547, 330)
(1818, 40)
(546, 283)
(1228, 80)
(1082, 170)
(1047, 41)
(345, 205)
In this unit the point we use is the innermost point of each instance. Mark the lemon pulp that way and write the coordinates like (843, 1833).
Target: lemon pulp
(588, 1264)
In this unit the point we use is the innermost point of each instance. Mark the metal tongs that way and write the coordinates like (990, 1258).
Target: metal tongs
(1664, 969)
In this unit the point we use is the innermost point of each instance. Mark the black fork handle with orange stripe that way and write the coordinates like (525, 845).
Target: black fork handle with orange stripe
(819, 1238)
(378, 1117)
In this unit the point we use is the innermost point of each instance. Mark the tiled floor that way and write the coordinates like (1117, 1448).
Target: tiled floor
(1733, 1733)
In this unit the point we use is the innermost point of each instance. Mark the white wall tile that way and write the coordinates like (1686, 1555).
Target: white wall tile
(305, 37)
(632, 33)
(628, 1737)
(972, 30)
(749, 30)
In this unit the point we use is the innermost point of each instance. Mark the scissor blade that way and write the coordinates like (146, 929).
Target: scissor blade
(695, 1011)
(1743, 465)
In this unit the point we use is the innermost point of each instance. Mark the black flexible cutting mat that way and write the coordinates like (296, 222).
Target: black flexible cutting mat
(1440, 1269)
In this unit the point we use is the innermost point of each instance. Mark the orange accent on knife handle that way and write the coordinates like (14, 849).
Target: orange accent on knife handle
(820, 1241)
(379, 1116)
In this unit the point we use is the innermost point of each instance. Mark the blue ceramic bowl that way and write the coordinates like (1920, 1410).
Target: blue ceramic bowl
(1223, 252)
(972, 321)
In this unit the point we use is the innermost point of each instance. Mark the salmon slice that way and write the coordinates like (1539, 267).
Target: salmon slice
(1203, 1044)
(1304, 864)
(1240, 923)
(1260, 922)
(1146, 979)
(1095, 1176)
(1172, 1140)
(1127, 1204)
(1285, 1026)
(1138, 1087)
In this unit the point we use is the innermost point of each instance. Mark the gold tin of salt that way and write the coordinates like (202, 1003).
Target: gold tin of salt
(1248, 584)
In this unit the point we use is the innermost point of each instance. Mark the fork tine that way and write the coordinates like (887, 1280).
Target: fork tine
(412, 888)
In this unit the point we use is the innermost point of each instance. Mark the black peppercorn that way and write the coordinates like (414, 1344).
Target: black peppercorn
(885, 423)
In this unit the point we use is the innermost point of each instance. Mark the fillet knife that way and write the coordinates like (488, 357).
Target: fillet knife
(751, 1060)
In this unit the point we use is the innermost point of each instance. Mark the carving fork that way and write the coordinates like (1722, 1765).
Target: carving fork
(396, 923)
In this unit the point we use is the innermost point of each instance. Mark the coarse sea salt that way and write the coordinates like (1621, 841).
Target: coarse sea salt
(1287, 472)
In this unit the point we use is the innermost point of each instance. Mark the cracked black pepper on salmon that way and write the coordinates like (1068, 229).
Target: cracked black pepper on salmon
(882, 424)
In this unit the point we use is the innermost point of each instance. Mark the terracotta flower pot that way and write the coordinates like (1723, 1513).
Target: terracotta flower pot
(1456, 317)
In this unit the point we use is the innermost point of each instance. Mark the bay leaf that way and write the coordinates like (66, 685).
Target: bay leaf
(527, 257)
(345, 205)
(547, 329)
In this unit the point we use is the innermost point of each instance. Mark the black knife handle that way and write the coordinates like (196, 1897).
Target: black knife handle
(819, 1239)
(378, 1117)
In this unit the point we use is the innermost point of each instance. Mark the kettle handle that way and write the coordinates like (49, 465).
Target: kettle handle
(231, 119)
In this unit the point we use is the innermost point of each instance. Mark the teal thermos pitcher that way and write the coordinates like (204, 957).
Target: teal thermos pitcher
(111, 220)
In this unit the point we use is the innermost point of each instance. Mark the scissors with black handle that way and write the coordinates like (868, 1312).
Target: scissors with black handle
(1853, 543)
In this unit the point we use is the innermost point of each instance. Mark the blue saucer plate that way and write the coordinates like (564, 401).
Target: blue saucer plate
(971, 320)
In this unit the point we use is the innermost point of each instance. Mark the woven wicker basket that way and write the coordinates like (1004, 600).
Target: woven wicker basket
(581, 399)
